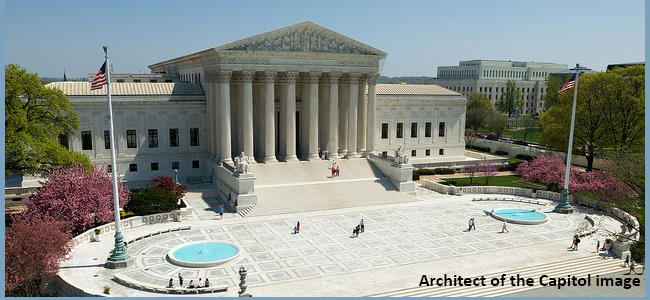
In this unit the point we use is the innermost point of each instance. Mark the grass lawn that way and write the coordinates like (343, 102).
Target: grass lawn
(510, 180)
(531, 137)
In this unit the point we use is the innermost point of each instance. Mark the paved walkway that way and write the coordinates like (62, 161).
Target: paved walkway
(402, 241)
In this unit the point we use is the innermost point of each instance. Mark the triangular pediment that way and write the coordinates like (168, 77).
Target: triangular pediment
(302, 37)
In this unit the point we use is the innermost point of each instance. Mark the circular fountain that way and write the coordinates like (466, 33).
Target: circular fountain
(202, 254)
(519, 216)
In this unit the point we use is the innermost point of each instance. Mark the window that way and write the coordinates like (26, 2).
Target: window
(413, 153)
(154, 166)
(194, 136)
(427, 152)
(120, 80)
(153, 138)
(153, 80)
(441, 129)
(173, 137)
(427, 129)
(168, 80)
(195, 164)
(86, 140)
(175, 165)
(414, 130)
(441, 152)
(107, 139)
(131, 141)
(136, 80)
(400, 127)
(133, 167)
(384, 130)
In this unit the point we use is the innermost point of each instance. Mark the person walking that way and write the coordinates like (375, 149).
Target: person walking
(577, 242)
(597, 246)
(295, 230)
(333, 172)
(298, 227)
(362, 226)
(505, 227)
(357, 229)
(469, 225)
(180, 280)
(632, 265)
(338, 171)
(627, 261)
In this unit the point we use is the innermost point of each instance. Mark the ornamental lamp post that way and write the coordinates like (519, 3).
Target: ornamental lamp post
(564, 206)
(176, 176)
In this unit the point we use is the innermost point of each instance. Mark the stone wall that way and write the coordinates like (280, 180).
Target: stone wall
(497, 190)
(441, 188)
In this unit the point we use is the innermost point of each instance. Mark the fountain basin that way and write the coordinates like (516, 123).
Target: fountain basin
(202, 254)
(519, 216)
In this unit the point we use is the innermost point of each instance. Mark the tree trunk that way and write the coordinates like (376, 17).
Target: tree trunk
(590, 161)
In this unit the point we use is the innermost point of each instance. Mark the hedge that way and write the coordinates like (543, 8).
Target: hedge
(525, 157)
(151, 200)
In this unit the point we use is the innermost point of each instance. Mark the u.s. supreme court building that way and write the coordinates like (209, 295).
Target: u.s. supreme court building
(296, 94)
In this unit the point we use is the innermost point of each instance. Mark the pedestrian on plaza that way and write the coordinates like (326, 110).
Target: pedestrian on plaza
(338, 171)
(627, 261)
(295, 230)
(577, 242)
(606, 253)
(199, 284)
(597, 246)
(180, 280)
(469, 224)
(298, 227)
(333, 171)
(473, 224)
(191, 286)
(171, 283)
(362, 226)
(505, 227)
(573, 243)
(357, 230)
(207, 283)
(221, 211)
(632, 265)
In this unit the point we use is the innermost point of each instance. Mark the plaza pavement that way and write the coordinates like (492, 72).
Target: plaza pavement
(402, 242)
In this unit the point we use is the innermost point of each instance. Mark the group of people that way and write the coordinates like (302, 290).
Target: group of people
(576, 241)
(296, 229)
(336, 171)
(632, 264)
(472, 225)
(358, 229)
(191, 285)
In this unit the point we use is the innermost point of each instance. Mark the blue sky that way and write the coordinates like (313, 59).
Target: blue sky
(48, 36)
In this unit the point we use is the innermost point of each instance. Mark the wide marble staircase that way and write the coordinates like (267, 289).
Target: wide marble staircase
(309, 186)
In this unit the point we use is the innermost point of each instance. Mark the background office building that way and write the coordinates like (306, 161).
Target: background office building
(489, 77)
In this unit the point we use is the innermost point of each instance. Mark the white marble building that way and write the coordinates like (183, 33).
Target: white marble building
(289, 94)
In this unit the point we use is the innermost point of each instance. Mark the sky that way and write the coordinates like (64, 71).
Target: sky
(49, 37)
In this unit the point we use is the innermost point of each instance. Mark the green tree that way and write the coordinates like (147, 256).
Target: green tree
(151, 200)
(478, 109)
(35, 117)
(624, 98)
(590, 132)
(510, 99)
(554, 84)
(496, 122)
(527, 125)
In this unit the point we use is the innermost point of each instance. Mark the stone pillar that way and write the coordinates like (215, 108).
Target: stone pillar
(211, 103)
(361, 120)
(344, 100)
(372, 109)
(246, 113)
(224, 116)
(288, 117)
(269, 116)
(353, 95)
(312, 114)
(333, 111)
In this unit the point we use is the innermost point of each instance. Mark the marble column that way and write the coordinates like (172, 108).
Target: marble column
(210, 99)
(312, 114)
(353, 97)
(269, 116)
(224, 116)
(333, 112)
(361, 120)
(372, 110)
(246, 113)
(288, 117)
(344, 99)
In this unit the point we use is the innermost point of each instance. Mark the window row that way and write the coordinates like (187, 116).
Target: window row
(399, 132)
(155, 167)
(427, 152)
(132, 138)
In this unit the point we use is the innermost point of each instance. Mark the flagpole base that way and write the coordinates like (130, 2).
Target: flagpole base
(564, 207)
(120, 258)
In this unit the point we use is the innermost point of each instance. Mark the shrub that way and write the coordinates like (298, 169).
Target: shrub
(525, 157)
(425, 172)
(443, 171)
(152, 200)
(166, 183)
(500, 152)
(638, 251)
(107, 290)
(479, 148)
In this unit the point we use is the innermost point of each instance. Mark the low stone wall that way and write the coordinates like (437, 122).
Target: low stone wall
(548, 195)
(441, 188)
(497, 190)
(401, 175)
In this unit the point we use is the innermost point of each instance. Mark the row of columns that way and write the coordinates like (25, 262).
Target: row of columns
(350, 116)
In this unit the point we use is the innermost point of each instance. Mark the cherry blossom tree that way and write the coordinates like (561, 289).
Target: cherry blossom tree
(33, 250)
(488, 169)
(471, 170)
(167, 183)
(79, 198)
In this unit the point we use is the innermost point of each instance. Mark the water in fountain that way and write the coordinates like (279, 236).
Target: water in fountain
(204, 250)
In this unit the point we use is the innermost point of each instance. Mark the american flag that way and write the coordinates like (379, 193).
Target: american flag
(100, 78)
(568, 85)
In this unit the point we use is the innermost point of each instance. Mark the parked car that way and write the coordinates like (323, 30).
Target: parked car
(521, 143)
(492, 137)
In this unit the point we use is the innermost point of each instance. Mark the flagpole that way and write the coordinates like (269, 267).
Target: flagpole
(120, 257)
(564, 206)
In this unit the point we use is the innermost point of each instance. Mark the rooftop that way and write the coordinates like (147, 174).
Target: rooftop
(82, 88)
(414, 89)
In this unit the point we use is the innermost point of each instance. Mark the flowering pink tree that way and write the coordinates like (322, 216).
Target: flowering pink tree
(471, 170)
(32, 250)
(79, 198)
(488, 169)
